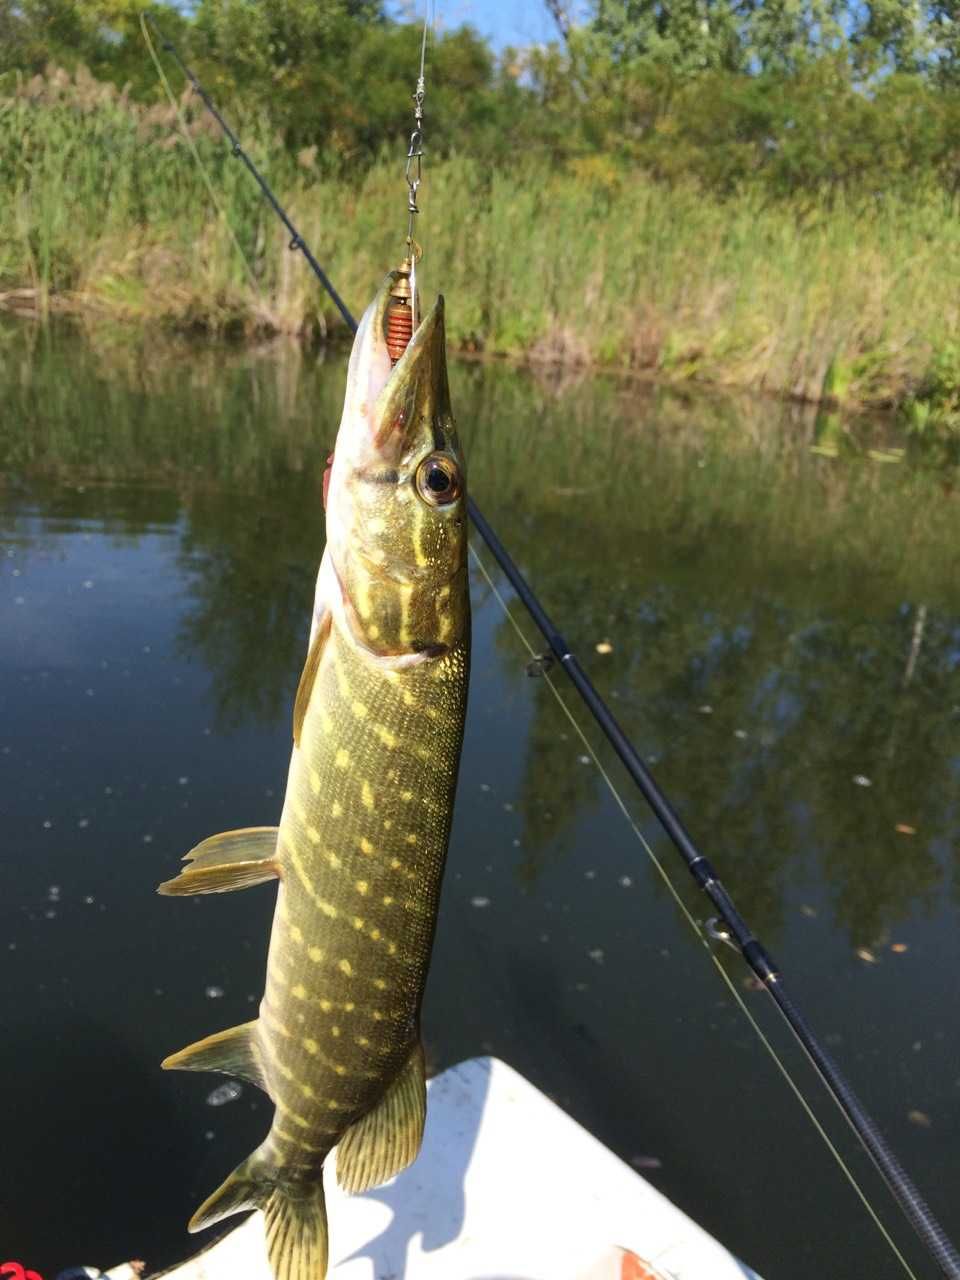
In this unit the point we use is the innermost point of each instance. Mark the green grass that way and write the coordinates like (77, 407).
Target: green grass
(103, 210)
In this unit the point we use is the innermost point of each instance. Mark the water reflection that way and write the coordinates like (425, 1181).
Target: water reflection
(780, 634)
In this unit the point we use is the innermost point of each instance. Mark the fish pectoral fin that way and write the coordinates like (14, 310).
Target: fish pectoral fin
(311, 667)
(230, 860)
(234, 1052)
(388, 1138)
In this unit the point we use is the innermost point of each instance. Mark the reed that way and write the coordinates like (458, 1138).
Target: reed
(103, 210)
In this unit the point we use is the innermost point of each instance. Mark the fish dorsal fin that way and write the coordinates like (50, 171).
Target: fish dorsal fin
(312, 666)
(387, 1138)
(234, 1052)
(230, 860)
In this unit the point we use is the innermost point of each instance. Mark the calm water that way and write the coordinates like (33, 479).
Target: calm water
(785, 632)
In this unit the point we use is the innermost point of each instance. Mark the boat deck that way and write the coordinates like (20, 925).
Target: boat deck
(508, 1187)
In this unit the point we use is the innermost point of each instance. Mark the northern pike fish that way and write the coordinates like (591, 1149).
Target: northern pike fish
(362, 841)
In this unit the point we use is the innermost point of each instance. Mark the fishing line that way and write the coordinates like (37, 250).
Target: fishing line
(695, 926)
(898, 1182)
(195, 153)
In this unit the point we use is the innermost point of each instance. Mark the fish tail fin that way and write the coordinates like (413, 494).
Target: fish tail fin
(295, 1214)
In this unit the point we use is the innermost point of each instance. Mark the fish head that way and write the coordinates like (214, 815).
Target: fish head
(396, 502)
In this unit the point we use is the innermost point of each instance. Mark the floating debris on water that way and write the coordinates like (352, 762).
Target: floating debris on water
(899, 947)
(904, 829)
(740, 733)
(148, 839)
(646, 1162)
(53, 893)
(808, 911)
(861, 780)
(865, 954)
(183, 780)
(920, 1118)
(83, 822)
(213, 992)
(603, 646)
(584, 759)
(89, 900)
(479, 902)
(224, 1093)
(626, 882)
(596, 955)
(589, 875)
(706, 709)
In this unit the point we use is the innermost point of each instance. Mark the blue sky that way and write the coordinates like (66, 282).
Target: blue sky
(517, 22)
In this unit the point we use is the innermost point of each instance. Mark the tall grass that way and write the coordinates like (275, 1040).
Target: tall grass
(102, 209)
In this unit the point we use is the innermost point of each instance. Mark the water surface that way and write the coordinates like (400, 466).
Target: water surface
(781, 635)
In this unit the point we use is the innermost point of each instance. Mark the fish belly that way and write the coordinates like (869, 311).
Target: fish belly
(362, 845)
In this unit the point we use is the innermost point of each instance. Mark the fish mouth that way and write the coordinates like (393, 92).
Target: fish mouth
(392, 408)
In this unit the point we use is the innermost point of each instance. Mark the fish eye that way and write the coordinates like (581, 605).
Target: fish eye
(438, 480)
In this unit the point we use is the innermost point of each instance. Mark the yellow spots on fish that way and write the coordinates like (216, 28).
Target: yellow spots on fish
(283, 1069)
(418, 552)
(327, 908)
(376, 524)
(365, 845)
(362, 1041)
(343, 684)
(299, 992)
(387, 900)
(406, 796)
(361, 596)
(274, 1022)
(391, 948)
(412, 838)
(296, 933)
(313, 835)
(314, 782)
(297, 1142)
(362, 886)
(326, 1005)
(342, 758)
(406, 595)
(375, 934)
(311, 1046)
(292, 1115)
(316, 955)
(432, 713)
(395, 864)
(336, 809)
(373, 631)
(376, 1015)
(408, 699)
(332, 1104)
(326, 720)
(348, 1006)
(389, 740)
(334, 861)
(379, 984)
(366, 794)
(335, 1032)
(358, 923)
(345, 967)
(307, 1091)
(359, 709)
(422, 752)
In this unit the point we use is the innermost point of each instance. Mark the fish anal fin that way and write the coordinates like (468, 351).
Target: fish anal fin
(234, 1052)
(388, 1137)
(230, 860)
(311, 667)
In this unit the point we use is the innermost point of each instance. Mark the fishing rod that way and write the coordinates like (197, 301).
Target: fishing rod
(735, 928)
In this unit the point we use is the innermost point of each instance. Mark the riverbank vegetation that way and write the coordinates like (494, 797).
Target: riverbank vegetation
(749, 197)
